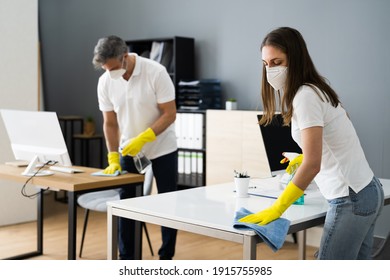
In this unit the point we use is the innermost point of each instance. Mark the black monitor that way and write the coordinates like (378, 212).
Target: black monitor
(277, 139)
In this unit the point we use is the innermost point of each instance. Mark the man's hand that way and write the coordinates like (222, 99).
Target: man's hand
(135, 145)
(113, 163)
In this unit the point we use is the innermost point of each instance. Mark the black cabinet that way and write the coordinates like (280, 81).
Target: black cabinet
(176, 54)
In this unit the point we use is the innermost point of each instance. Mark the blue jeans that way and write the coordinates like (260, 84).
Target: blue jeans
(349, 224)
(165, 173)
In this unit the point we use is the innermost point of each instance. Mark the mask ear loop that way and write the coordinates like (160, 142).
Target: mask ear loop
(123, 62)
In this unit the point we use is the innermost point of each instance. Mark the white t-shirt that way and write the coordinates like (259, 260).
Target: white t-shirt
(343, 161)
(136, 103)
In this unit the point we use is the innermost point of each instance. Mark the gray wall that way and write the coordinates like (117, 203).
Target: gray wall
(348, 41)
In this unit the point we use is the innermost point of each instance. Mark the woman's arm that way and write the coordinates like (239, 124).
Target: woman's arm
(312, 153)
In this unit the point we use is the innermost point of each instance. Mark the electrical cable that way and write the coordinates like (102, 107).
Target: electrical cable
(23, 190)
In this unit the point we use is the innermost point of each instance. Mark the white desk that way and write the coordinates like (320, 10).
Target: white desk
(210, 211)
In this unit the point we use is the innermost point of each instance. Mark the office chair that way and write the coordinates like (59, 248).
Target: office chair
(97, 201)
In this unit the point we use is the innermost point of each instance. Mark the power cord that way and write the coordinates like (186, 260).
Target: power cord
(23, 190)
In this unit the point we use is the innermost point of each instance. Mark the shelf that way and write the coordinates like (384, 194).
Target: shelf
(200, 94)
(191, 150)
(177, 55)
(191, 133)
(180, 65)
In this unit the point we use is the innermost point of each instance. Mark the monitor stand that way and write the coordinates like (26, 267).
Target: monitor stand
(30, 170)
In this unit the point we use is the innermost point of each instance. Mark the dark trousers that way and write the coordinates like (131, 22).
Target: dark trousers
(165, 174)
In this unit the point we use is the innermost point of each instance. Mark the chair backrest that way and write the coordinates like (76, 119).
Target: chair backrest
(97, 201)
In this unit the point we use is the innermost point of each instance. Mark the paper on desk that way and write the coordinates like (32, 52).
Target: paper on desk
(266, 187)
(272, 188)
(100, 173)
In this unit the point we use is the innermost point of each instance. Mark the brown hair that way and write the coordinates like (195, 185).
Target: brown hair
(301, 71)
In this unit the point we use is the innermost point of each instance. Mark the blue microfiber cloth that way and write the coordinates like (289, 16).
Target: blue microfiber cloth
(273, 234)
(116, 173)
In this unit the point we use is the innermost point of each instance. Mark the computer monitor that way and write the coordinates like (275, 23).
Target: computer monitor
(36, 137)
(277, 139)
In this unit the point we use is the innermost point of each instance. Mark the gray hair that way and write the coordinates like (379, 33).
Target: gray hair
(106, 48)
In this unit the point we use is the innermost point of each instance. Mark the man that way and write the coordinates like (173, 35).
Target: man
(137, 99)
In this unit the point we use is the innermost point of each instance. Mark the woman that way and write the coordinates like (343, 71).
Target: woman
(332, 152)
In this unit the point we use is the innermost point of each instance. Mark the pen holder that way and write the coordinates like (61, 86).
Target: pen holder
(242, 185)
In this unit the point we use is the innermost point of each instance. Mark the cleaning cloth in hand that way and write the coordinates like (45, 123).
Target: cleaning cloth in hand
(273, 234)
(116, 173)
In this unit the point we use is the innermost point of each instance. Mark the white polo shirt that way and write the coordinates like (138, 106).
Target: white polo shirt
(343, 161)
(136, 103)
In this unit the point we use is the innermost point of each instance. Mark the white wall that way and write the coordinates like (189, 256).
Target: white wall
(19, 90)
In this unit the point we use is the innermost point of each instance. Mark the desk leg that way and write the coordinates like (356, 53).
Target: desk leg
(39, 250)
(40, 223)
(112, 235)
(112, 232)
(302, 244)
(138, 228)
(249, 248)
(138, 241)
(72, 225)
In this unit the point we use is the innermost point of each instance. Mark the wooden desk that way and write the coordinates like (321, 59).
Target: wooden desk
(210, 211)
(74, 184)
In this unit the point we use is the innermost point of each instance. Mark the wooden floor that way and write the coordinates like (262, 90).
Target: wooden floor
(18, 239)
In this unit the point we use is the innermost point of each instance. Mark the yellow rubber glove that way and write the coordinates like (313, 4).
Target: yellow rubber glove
(290, 194)
(136, 144)
(113, 163)
(294, 164)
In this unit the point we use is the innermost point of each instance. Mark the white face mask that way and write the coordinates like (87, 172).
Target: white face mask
(277, 76)
(116, 74)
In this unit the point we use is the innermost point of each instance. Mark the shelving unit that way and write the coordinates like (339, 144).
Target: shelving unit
(177, 55)
(199, 94)
(191, 135)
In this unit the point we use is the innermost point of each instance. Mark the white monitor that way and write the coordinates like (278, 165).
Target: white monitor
(36, 137)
